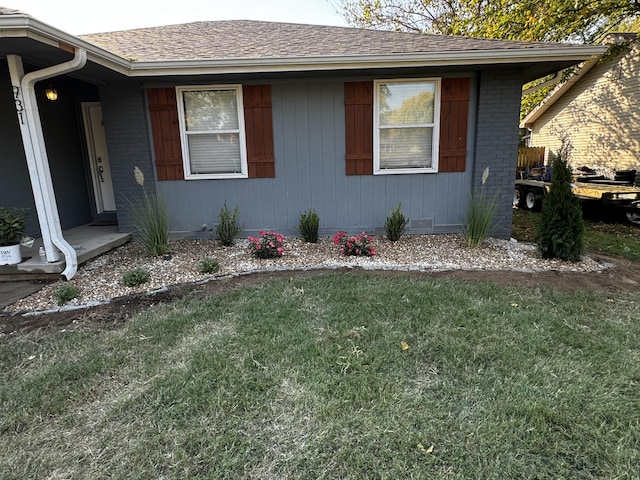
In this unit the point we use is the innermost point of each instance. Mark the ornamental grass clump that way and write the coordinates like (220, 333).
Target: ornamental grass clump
(228, 228)
(396, 224)
(309, 224)
(150, 219)
(268, 245)
(360, 245)
(480, 215)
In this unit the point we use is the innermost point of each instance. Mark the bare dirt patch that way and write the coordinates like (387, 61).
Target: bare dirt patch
(621, 277)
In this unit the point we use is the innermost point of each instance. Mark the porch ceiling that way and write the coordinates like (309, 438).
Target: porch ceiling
(38, 53)
(33, 51)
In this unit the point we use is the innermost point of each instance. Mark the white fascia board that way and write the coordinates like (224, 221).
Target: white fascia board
(559, 91)
(295, 64)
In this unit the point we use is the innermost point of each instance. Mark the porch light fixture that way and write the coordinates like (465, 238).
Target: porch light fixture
(51, 93)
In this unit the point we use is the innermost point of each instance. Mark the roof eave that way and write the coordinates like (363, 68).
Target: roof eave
(324, 63)
(529, 120)
(25, 26)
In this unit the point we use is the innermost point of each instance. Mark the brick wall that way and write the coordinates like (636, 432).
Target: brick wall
(128, 140)
(497, 141)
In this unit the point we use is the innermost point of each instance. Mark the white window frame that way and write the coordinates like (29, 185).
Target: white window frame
(184, 140)
(435, 125)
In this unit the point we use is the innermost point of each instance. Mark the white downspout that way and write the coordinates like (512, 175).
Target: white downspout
(36, 154)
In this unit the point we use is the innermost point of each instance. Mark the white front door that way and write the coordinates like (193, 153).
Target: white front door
(98, 158)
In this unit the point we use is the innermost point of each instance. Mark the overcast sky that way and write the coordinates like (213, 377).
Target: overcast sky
(87, 16)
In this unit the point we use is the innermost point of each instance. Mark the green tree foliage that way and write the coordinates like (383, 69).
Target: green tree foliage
(548, 20)
(561, 229)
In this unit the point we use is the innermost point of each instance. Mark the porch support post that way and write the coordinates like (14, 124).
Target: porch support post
(36, 154)
(16, 70)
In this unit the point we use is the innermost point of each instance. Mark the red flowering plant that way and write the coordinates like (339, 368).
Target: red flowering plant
(268, 245)
(360, 245)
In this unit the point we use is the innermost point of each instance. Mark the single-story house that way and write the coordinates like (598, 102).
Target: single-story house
(597, 109)
(271, 118)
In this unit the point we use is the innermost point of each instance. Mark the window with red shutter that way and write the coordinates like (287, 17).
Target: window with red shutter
(211, 132)
(400, 148)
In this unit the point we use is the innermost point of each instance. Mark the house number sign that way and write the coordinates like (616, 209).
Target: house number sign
(19, 105)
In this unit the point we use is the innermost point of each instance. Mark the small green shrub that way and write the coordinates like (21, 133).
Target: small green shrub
(136, 277)
(309, 224)
(208, 266)
(228, 228)
(561, 229)
(396, 224)
(65, 293)
(480, 215)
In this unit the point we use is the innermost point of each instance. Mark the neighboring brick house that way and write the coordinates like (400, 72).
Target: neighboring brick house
(597, 110)
(273, 118)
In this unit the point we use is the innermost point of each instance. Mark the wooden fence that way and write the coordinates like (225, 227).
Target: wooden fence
(530, 157)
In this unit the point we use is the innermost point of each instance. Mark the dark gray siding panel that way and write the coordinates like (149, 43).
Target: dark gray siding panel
(63, 135)
(126, 127)
(497, 141)
(309, 144)
(15, 186)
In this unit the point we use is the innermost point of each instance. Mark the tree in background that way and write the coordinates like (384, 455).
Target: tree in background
(560, 231)
(583, 21)
(539, 20)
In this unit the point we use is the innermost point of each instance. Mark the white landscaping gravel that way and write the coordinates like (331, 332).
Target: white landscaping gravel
(101, 279)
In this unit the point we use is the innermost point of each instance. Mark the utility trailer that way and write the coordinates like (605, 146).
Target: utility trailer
(610, 194)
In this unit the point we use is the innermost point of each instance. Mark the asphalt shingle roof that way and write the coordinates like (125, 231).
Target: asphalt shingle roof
(258, 39)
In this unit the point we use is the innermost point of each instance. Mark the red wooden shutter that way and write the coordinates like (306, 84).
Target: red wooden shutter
(358, 101)
(259, 131)
(163, 108)
(454, 110)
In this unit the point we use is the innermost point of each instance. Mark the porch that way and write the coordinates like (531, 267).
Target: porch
(87, 240)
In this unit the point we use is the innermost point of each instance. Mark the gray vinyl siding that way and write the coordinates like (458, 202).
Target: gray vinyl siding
(15, 185)
(309, 145)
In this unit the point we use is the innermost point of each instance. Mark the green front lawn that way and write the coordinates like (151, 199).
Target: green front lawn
(612, 238)
(310, 378)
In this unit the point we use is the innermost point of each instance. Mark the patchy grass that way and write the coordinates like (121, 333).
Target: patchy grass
(309, 378)
(611, 237)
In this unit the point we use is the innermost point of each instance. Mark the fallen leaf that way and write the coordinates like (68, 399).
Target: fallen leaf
(425, 450)
(405, 345)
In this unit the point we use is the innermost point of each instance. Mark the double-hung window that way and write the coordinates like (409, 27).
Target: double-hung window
(212, 131)
(406, 126)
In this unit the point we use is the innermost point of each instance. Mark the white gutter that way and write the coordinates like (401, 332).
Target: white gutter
(36, 154)
(539, 86)
(329, 62)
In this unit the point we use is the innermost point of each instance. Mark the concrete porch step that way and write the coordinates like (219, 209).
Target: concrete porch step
(88, 242)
